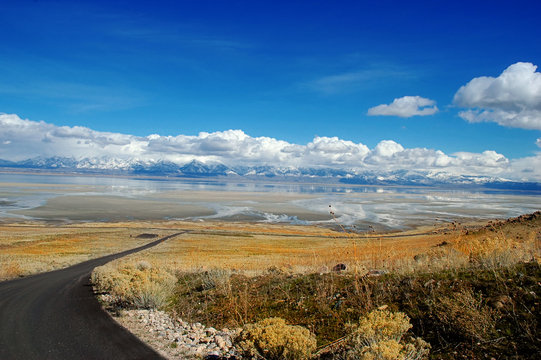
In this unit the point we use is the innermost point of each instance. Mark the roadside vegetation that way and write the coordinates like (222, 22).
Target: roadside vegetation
(469, 292)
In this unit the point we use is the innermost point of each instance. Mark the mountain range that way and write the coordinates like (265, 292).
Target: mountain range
(197, 169)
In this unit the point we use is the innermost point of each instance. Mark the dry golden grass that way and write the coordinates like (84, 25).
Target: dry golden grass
(29, 248)
(210, 262)
(255, 247)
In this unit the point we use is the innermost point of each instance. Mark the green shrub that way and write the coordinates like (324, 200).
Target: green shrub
(272, 339)
(379, 336)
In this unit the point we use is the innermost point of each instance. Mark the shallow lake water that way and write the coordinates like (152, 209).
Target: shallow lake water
(99, 198)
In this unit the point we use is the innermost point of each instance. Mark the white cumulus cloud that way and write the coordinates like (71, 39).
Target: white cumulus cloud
(512, 99)
(526, 169)
(406, 106)
(387, 148)
(22, 139)
(332, 150)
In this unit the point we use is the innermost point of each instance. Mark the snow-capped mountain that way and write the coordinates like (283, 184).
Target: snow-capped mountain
(198, 169)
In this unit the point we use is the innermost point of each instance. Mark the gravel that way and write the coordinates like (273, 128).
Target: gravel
(178, 339)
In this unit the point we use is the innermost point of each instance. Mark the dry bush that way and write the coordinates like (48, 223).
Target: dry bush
(380, 335)
(152, 296)
(143, 265)
(137, 284)
(497, 250)
(381, 325)
(272, 339)
(466, 315)
(215, 278)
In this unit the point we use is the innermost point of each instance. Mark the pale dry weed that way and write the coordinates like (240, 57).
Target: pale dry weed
(466, 314)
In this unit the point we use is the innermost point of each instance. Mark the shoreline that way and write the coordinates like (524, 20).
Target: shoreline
(265, 180)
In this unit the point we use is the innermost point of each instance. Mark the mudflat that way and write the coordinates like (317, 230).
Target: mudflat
(173, 205)
(111, 208)
(77, 198)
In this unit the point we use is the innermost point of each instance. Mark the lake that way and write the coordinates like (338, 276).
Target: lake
(67, 198)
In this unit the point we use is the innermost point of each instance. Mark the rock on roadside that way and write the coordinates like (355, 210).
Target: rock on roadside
(177, 339)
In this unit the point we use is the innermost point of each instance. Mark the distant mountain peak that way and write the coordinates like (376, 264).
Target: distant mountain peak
(196, 168)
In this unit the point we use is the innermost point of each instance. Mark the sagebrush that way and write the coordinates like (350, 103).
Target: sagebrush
(273, 339)
(380, 335)
(137, 284)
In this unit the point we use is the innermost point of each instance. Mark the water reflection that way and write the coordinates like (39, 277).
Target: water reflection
(362, 206)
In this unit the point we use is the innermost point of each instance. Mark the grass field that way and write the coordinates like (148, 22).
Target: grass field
(252, 247)
(469, 289)
(33, 247)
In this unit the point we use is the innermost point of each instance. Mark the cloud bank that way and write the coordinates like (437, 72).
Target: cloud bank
(22, 139)
(512, 99)
(406, 106)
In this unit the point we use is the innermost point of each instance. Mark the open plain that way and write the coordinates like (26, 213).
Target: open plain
(32, 247)
(469, 289)
(320, 257)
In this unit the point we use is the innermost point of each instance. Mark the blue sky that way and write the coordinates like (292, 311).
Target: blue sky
(289, 70)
